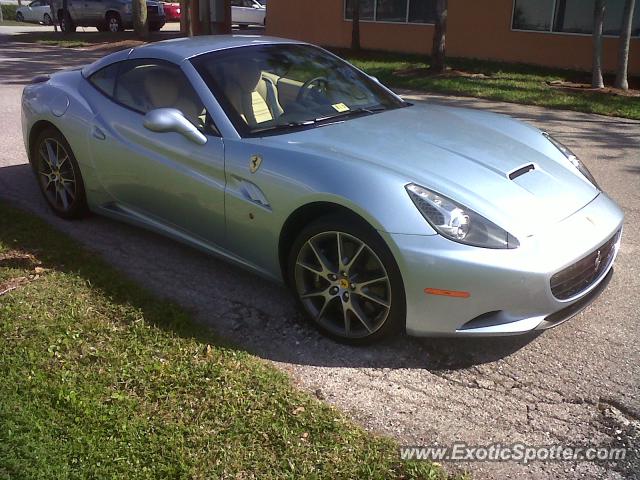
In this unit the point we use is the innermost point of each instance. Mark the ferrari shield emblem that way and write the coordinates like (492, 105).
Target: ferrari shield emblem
(254, 163)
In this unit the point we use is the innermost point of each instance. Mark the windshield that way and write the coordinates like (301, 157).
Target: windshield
(273, 88)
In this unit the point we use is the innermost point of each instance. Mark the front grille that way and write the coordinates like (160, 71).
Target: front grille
(578, 277)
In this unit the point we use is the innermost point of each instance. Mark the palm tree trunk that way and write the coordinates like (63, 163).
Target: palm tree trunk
(625, 38)
(355, 32)
(140, 21)
(184, 17)
(439, 37)
(598, 22)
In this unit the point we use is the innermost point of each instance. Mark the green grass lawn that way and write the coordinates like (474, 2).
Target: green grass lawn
(101, 379)
(507, 82)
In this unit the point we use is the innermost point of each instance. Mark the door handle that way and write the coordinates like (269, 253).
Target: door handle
(99, 134)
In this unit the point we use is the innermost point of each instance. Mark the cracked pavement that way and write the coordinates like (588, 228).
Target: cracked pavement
(577, 384)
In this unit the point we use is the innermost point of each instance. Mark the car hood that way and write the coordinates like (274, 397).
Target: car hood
(466, 155)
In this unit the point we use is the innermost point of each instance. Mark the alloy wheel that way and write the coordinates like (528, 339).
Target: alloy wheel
(343, 284)
(57, 175)
(114, 25)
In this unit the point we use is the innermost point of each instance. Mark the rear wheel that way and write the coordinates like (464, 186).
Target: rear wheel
(66, 23)
(114, 23)
(46, 19)
(58, 174)
(347, 281)
(155, 27)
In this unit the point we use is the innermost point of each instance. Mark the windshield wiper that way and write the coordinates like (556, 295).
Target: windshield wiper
(307, 123)
(348, 113)
(284, 126)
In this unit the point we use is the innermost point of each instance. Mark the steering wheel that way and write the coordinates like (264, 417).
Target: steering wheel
(309, 86)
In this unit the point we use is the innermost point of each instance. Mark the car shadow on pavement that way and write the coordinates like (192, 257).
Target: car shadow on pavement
(240, 307)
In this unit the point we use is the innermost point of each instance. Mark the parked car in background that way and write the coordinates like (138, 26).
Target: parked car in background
(37, 11)
(248, 12)
(106, 15)
(171, 11)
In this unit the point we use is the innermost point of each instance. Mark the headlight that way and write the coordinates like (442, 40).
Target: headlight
(457, 222)
(573, 159)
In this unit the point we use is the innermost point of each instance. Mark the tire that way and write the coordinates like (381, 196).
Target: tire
(155, 27)
(46, 19)
(61, 184)
(359, 303)
(114, 23)
(19, 17)
(102, 27)
(66, 23)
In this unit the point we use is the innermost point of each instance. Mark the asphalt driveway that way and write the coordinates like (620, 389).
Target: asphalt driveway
(576, 384)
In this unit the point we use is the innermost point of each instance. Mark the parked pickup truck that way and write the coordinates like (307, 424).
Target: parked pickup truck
(106, 15)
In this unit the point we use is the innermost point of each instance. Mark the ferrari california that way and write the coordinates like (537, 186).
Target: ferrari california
(379, 214)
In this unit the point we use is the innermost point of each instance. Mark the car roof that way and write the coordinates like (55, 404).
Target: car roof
(177, 50)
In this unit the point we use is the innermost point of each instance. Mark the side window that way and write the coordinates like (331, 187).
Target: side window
(236, 3)
(145, 85)
(105, 79)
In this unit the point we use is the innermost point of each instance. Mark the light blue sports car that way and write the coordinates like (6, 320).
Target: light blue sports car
(380, 215)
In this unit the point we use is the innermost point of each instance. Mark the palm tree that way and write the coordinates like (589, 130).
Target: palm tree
(598, 22)
(625, 38)
(439, 37)
(140, 22)
(355, 28)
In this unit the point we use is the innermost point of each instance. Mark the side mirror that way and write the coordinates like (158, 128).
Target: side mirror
(172, 120)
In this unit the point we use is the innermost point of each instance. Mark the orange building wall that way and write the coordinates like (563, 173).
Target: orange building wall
(476, 29)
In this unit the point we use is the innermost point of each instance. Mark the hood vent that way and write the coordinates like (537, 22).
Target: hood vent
(521, 171)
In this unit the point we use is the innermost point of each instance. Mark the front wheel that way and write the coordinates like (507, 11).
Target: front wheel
(19, 17)
(66, 23)
(114, 23)
(58, 174)
(347, 281)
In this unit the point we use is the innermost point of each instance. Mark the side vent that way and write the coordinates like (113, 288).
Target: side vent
(521, 171)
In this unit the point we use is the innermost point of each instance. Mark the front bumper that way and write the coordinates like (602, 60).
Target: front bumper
(509, 290)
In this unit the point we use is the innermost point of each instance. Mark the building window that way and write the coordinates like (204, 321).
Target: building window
(391, 10)
(569, 16)
(533, 15)
(574, 16)
(366, 9)
(397, 11)
(422, 11)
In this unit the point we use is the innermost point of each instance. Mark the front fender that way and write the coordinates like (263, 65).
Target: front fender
(258, 204)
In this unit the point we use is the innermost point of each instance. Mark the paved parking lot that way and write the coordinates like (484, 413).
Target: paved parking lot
(576, 384)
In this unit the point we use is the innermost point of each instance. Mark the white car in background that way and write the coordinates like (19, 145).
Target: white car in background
(37, 11)
(248, 12)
